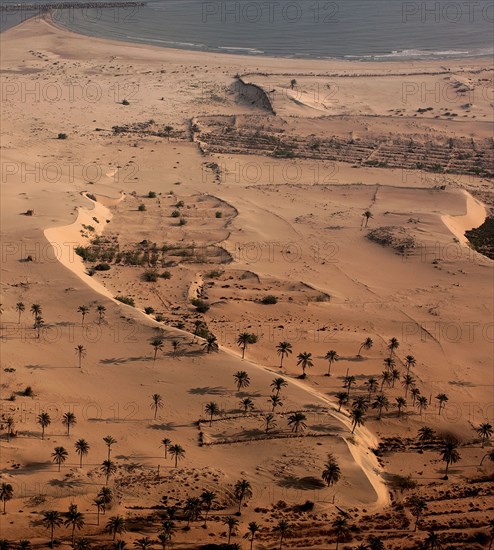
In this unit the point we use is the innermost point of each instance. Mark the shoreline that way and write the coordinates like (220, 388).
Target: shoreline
(305, 63)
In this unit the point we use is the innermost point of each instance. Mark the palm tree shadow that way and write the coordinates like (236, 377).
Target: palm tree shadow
(208, 390)
(168, 427)
(325, 429)
(307, 483)
(123, 360)
(64, 483)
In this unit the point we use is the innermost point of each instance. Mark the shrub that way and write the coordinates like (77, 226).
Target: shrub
(150, 276)
(91, 196)
(126, 300)
(148, 310)
(180, 204)
(182, 221)
(102, 267)
(166, 275)
(219, 214)
(214, 274)
(62, 136)
(142, 208)
(175, 214)
(159, 317)
(269, 299)
(28, 391)
(151, 195)
(200, 305)
(125, 102)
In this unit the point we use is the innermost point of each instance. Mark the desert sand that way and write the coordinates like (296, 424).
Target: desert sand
(189, 190)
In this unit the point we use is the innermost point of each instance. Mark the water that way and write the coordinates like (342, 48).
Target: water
(352, 29)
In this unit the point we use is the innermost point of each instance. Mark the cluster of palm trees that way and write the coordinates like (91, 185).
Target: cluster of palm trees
(296, 420)
(176, 451)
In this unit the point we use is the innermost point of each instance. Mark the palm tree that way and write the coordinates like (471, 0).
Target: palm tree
(116, 525)
(275, 402)
(175, 346)
(375, 543)
(231, 523)
(106, 494)
(366, 344)
(101, 313)
(38, 325)
(212, 409)
(449, 453)
(442, 398)
(342, 397)
(74, 519)
(242, 491)
(80, 351)
(389, 363)
(372, 386)
(283, 349)
(415, 393)
(393, 345)
(244, 338)
(367, 216)
(422, 403)
(297, 421)
(283, 528)
(424, 435)
(395, 375)
(253, 528)
(10, 422)
(82, 449)
(358, 418)
(68, 420)
(381, 402)
(340, 524)
(485, 432)
(247, 404)
(407, 382)
(143, 543)
(385, 379)
(332, 472)
(348, 382)
(210, 344)
(192, 509)
(157, 345)
(177, 452)
(83, 310)
(277, 384)
(269, 422)
(331, 356)
(100, 507)
(432, 541)
(24, 544)
(52, 519)
(165, 442)
(156, 404)
(167, 532)
(59, 456)
(417, 506)
(207, 499)
(6, 493)
(361, 402)
(36, 310)
(242, 379)
(44, 421)
(410, 362)
(304, 360)
(401, 403)
(20, 308)
(109, 468)
(109, 441)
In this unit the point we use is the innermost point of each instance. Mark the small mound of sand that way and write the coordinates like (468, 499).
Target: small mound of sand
(393, 236)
